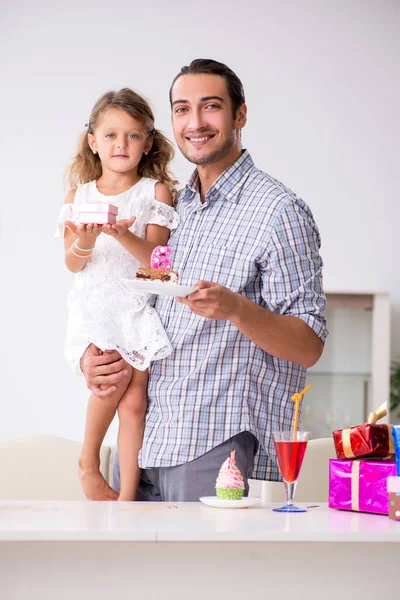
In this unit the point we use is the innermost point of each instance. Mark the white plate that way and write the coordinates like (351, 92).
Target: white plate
(218, 503)
(163, 288)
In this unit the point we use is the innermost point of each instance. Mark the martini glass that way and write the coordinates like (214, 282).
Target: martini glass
(290, 453)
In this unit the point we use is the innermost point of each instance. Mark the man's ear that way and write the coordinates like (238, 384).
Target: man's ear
(92, 143)
(241, 117)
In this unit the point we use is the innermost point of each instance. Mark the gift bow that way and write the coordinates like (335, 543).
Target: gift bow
(378, 414)
(374, 416)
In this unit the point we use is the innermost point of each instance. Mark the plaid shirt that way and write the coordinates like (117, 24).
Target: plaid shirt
(257, 238)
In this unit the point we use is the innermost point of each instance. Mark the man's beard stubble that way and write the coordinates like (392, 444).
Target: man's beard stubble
(215, 155)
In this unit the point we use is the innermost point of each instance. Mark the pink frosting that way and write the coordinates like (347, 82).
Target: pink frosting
(229, 475)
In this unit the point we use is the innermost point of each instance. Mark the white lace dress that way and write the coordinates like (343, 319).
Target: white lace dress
(102, 309)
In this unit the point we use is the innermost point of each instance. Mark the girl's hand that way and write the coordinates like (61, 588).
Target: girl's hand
(120, 228)
(87, 234)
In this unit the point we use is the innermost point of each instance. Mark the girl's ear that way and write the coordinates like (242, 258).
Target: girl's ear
(148, 145)
(92, 143)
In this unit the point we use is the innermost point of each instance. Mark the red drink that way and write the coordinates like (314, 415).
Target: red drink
(290, 458)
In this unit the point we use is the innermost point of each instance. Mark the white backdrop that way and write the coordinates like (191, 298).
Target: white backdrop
(322, 85)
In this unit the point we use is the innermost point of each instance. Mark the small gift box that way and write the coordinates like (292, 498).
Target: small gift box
(369, 439)
(360, 485)
(99, 213)
(393, 488)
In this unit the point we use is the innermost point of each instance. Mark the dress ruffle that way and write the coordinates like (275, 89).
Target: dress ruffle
(68, 212)
(163, 214)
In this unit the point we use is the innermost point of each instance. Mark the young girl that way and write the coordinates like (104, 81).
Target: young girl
(122, 160)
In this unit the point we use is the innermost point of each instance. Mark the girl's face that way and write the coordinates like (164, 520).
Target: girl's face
(120, 141)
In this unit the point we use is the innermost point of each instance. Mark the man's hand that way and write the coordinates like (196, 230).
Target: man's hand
(102, 369)
(120, 228)
(212, 301)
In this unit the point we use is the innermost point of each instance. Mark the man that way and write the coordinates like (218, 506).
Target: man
(243, 341)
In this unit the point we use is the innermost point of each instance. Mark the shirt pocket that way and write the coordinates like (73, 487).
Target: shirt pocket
(228, 267)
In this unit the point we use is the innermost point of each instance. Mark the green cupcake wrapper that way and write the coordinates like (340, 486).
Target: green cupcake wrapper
(230, 493)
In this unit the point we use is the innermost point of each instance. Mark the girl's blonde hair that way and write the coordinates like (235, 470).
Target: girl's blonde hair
(86, 166)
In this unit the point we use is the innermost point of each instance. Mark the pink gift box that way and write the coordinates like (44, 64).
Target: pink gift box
(360, 485)
(99, 213)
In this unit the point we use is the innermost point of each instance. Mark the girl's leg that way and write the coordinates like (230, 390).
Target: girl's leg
(99, 415)
(132, 415)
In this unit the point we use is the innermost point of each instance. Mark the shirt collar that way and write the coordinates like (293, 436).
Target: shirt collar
(227, 184)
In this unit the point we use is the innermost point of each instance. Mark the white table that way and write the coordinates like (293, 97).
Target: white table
(83, 550)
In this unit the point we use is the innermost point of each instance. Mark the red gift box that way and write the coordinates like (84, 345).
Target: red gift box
(369, 439)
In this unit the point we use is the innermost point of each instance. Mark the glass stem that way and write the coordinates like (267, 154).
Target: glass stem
(290, 489)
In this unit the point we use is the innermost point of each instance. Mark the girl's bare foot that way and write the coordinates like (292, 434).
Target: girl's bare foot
(94, 486)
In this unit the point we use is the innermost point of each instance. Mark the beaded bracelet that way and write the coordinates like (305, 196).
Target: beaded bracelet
(79, 255)
(83, 249)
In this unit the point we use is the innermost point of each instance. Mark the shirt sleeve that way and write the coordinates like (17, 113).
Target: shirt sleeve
(67, 213)
(163, 214)
(291, 269)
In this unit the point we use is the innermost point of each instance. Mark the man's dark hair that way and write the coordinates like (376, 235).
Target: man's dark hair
(213, 67)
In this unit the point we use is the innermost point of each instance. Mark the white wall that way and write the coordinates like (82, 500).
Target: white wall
(321, 79)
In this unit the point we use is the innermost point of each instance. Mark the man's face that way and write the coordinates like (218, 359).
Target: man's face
(202, 119)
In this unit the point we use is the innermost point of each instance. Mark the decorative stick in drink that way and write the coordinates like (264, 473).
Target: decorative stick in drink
(297, 398)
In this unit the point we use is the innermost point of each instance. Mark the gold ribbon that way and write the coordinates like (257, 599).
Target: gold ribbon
(348, 452)
(391, 440)
(355, 485)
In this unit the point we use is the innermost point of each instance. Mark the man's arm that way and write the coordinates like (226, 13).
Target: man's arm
(285, 337)
(290, 323)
